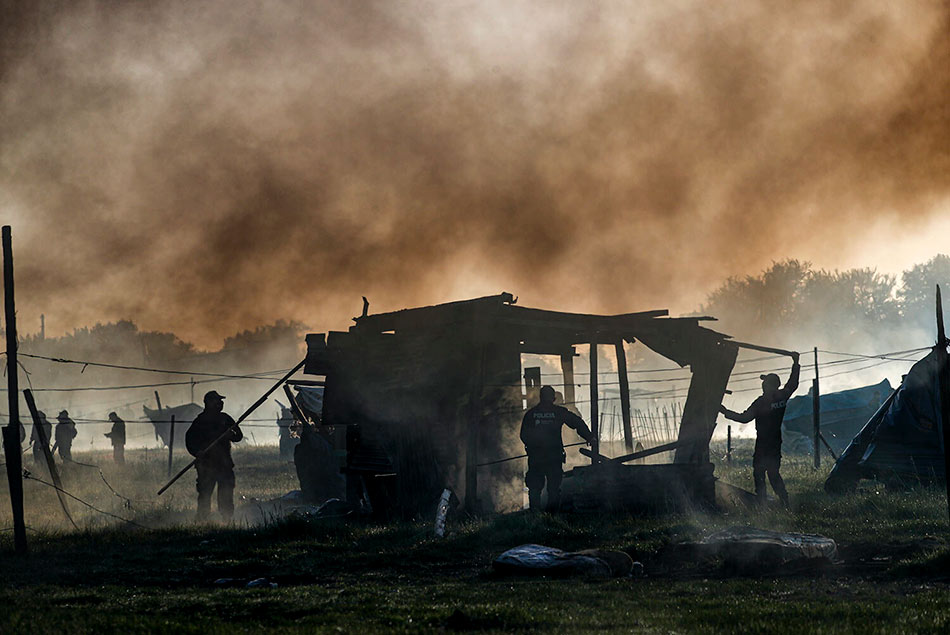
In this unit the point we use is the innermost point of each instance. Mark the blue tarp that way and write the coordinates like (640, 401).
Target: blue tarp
(853, 399)
(843, 413)
(902, 444)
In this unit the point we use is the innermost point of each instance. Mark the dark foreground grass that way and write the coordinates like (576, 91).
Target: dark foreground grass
(364, 577)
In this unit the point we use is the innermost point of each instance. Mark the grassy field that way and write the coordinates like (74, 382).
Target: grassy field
(358, 576)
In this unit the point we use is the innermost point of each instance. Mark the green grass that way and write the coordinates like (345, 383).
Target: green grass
(364, 577)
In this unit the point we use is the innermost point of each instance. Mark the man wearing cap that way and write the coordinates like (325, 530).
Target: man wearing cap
(117, 436)
(65, 433)
(768, 411)
(541, 435)
(213, 455)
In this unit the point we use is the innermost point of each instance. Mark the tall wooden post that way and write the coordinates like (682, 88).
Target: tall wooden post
(594, 405)
(11, 434)
(816, 414)
(171, 446)
(728, 444)
(943, 379)
(471, 442)
(624, 396)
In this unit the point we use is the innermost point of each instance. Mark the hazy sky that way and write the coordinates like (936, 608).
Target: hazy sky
(205, 167)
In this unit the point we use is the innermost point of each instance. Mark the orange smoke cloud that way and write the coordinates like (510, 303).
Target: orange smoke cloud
(207, 167)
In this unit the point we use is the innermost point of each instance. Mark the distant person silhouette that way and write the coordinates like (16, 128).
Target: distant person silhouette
(215, 467)
(117, 437)
(541, 435)
(39, 457)
(65, 433)
(768, 411)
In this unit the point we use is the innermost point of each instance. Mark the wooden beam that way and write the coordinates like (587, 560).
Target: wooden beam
(633, 456)
(624, 396)
(594, 403)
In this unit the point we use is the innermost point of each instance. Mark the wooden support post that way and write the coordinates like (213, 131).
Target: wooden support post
(816, 415)
(943, 379)
(471, 444)
(728, 444)
(50, 463)
(11, 435)
(594, 404)
(567, 370)
(624, 396)
(171, 446)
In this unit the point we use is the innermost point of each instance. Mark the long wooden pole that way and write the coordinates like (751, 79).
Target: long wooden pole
(11, 436)
(943, 379)
(816, 414)
(594, 405)
(227, 432)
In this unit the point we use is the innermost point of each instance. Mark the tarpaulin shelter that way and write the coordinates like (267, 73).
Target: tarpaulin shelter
(161, 420)
(419, 397)
(902, 443)
(843, 413)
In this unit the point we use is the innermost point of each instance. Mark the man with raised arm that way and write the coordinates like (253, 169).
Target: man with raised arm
(541, 435)
(768, 410)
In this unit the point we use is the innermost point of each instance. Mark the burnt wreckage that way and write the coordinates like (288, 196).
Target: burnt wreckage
(418, 398)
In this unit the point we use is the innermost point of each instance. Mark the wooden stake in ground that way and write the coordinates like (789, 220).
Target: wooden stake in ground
(816, 413)
(171, 445)
(11, 435)
(943, 379)
(50, 463)
(227, 432)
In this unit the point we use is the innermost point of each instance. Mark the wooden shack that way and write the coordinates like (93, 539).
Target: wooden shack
(418, 398)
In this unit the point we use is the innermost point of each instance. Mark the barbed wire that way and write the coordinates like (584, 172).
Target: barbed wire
(29, 476)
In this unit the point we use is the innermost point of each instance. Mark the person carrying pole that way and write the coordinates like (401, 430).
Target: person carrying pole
(541, 435)
(214, 466)
(768, 410)
(117, 437)
(65, 433)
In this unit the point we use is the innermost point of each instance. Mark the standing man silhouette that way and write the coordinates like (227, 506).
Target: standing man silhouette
(213, 462)
(768, 411)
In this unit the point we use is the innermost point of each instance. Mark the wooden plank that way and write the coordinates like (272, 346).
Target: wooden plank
(633, 456)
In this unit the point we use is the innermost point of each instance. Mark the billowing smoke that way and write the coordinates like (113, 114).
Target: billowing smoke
(209, 167)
